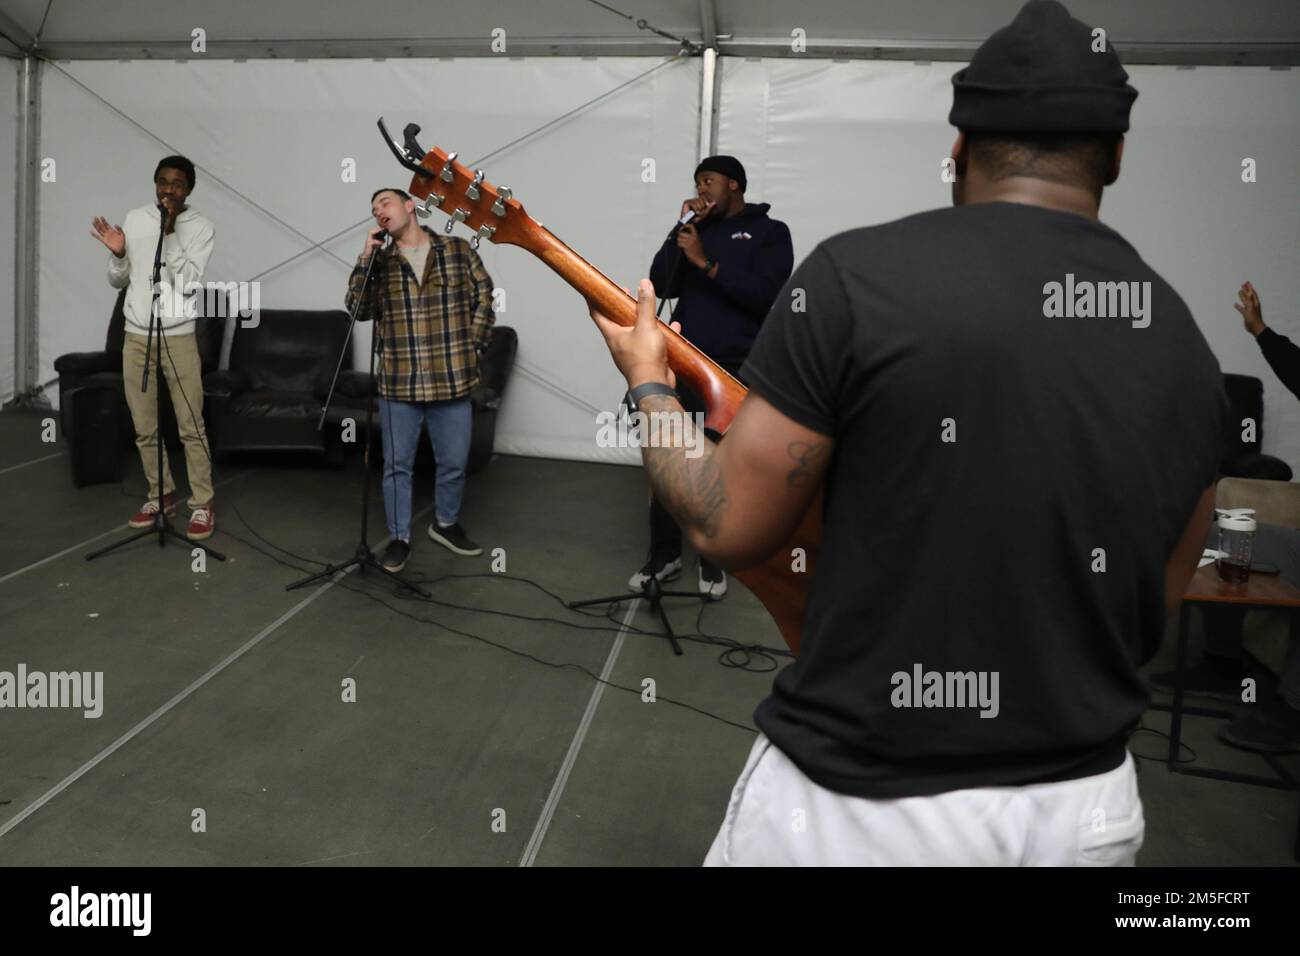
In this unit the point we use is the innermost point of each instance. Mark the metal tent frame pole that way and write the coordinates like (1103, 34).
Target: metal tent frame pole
(27, 233)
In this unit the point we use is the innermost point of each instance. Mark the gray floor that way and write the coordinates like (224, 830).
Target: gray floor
(496, 745)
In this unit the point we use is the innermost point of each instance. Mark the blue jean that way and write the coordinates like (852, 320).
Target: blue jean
(448, 425)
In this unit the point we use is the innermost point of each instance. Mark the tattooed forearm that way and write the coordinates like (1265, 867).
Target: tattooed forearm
(691, 488)
(807, 454)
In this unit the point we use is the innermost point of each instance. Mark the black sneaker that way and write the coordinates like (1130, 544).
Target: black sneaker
(395, 555)
(1271, 727)
(453, 538)
(1205, 679)
(663, 570)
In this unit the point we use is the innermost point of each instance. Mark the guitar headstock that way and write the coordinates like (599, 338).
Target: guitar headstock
(463, 194)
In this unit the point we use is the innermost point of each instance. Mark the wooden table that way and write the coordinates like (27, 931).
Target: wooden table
(1207, 589)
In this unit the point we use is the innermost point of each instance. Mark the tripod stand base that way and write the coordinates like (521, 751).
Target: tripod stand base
(164, 530)
(363, 558)
(653, 591)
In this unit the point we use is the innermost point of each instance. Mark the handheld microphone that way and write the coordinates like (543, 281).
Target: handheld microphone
(690, 214)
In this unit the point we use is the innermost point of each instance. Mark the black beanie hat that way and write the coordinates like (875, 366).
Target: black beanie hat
(727, 165)
(1040, 75)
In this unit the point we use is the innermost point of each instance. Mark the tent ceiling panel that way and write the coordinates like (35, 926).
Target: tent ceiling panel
(89, 25)
(1151, 21)
(1154, 31)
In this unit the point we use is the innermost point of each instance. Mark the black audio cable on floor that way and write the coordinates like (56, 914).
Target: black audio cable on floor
(735, 655)
(1143, 729)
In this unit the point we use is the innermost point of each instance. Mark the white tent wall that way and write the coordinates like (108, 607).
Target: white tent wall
(9, 84)
(832, 144)
(836, 145)
(278, 133)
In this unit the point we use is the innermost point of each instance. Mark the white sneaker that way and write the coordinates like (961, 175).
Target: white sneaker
(666, 572)
(714, 588)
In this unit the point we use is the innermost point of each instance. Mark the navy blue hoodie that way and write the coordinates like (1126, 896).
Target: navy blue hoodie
(721, 316)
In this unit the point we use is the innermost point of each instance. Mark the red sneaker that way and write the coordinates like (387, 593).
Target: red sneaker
(202, 523)
(144, 517)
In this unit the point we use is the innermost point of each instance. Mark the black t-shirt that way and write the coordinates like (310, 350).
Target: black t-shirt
(990, 460)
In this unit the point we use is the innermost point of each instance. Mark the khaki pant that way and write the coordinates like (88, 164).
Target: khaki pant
(182, 369)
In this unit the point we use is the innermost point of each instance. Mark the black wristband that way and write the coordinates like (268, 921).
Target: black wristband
(633, 397)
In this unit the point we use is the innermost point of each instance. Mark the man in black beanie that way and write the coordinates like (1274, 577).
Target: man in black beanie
(1017, 424)
(724, 267)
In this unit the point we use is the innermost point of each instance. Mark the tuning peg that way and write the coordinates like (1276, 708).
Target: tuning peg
(446, 174)
(484, 232)
(428, 204)
(503, 194)
(472, 191)
(460, 215)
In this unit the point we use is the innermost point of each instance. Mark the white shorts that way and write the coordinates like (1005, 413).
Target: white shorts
(778, 817)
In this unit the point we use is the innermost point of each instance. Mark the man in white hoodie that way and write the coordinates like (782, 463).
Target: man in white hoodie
(187, 245)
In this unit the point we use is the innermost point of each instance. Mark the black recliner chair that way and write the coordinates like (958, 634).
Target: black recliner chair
(1243, 459)
(268, 397)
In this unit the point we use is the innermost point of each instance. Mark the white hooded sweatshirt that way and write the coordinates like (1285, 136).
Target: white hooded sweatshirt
(185, 255)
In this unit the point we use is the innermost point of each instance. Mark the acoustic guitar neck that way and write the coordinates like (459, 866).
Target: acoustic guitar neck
(465, 196)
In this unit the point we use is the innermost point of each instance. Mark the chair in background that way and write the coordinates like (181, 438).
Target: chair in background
(1243, 459)
(269, 396)
(100, 395)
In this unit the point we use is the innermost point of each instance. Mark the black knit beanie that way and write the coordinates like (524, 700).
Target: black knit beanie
(727, 165)
(1040, 75)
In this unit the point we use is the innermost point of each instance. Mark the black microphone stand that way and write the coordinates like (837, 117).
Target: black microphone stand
(672, 276)
(363, 557)
(161, 526)
(652, 589)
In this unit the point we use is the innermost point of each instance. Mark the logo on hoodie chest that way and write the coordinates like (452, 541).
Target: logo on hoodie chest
(741, 235)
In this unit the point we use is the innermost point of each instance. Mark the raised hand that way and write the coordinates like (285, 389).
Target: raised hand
(111, 236)
(1251, 313)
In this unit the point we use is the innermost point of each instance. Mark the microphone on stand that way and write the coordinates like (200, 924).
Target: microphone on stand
(382, 238)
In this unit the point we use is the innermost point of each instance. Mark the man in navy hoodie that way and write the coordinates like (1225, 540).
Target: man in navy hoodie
(725, 269)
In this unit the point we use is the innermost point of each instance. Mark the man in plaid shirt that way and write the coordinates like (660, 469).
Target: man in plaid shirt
(434, 301)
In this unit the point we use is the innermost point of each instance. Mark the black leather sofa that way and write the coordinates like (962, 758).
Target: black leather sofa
(267, 397)
(271, 395)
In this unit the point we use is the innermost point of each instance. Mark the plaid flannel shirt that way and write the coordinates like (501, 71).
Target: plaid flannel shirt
(430, 335)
